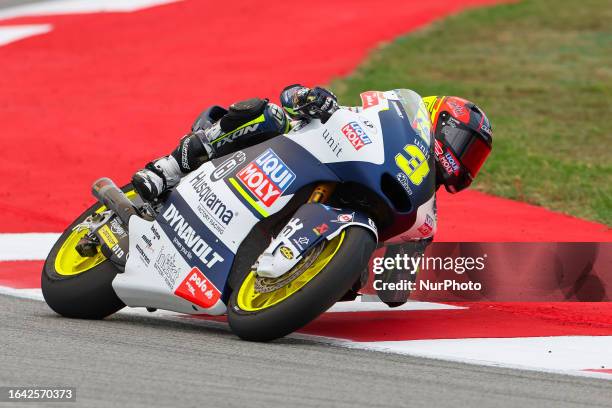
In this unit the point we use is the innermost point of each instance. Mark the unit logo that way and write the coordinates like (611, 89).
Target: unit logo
(333, 144)
(267, 177)
(197, 289)
(355, 135)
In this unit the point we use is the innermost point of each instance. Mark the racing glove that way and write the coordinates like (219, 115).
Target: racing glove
(301, 102)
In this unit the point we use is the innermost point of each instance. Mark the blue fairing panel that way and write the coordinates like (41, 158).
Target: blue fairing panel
(319, 221)
(398, 135)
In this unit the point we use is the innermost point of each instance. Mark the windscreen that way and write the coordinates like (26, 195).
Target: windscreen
(417, 113)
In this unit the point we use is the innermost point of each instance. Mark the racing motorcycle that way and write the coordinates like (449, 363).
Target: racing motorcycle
(273, 235)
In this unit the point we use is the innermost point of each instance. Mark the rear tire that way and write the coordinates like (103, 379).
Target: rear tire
(318, 295)
(87, 295)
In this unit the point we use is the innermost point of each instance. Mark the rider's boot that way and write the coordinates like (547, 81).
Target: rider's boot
(158, 176)
(162, 174)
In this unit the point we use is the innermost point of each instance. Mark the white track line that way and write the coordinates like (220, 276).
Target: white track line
(569, 355)
(49, 8)
(26, 246)
(10, 34)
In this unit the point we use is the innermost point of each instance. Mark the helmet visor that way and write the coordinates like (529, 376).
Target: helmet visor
(471, 150)
(475, 155)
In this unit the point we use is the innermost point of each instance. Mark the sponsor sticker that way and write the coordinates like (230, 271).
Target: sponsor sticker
(371, 98)
(228, 166)
(107, 236)
(155, 232)
(197, 289)
(188, 240)
(414, 166)
(448, 161)
(355, 135)
(403, 180)
(166, 266)
(332, 143)
(147, 241)
(368, 124)
(321, 229)
(294, 225)
(344, 218)
(427, 226)
(458, 110)
(286, 252)
(143, 255)
(211, 207)
(267, 177)
(117, 228)
(419, 143)
(396, 107)
(301, 242)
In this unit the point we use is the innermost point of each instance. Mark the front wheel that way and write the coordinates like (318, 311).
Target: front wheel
(263, 309)
(76, 286)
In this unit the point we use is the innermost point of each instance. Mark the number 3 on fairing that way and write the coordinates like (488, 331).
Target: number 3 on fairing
(416, 167)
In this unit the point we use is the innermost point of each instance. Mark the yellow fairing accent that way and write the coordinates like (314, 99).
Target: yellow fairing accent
(68, 262)
(415, 167)
(247, 197)
(250, 300)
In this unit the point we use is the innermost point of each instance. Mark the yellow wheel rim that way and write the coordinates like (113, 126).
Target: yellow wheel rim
(251, 300)
(68, 262)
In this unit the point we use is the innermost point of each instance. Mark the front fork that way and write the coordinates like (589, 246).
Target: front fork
(270, 264)
(313, 222)
(322, 193)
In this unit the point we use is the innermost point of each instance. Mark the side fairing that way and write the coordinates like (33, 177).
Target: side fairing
(182, 260)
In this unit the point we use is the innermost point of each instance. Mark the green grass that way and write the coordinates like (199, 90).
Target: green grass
(542, 70)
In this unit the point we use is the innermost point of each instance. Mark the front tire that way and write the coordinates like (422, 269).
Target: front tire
(282, 317)
(79, 287)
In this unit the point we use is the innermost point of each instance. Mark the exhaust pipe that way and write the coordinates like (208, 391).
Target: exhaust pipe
(107, 192)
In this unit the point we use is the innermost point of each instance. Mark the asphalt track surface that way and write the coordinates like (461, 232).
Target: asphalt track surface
(140, 361)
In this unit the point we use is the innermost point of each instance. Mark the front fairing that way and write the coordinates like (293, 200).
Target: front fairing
(392, 154)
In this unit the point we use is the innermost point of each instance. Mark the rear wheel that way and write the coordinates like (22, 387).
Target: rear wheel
(263, 309)
(76, 286)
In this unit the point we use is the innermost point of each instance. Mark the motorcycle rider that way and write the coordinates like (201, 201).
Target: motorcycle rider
(463, 136)
(462, 131)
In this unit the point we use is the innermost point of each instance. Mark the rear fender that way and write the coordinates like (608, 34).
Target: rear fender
(311, 224)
